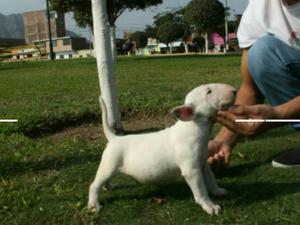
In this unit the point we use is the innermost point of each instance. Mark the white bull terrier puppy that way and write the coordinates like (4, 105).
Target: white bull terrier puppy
(170, 154)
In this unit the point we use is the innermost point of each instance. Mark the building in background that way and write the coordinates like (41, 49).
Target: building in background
(67, 47)
(7, 45)
(36, 43)
(36, 26)
(64, 47)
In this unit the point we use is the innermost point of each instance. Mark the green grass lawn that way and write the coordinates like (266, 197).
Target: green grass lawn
(44, 95)
(45, 180)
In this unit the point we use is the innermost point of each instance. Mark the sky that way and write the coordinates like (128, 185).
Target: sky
(128, 21)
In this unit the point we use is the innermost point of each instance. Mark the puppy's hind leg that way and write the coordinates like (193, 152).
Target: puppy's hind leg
(107, 169)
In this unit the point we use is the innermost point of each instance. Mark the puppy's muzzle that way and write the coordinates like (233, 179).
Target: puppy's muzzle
(227, 105)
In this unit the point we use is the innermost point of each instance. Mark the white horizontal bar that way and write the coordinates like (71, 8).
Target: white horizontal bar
(268, 120)
(8, 121)
(249, 120)
(283, 121)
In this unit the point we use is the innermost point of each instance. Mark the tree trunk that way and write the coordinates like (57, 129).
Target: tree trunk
(206, 42)
(171, 48)
(186, 49)
(112, 32)
(105, 63)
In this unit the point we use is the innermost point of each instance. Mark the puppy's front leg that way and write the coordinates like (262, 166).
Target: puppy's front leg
(194, 179)
(211, 183)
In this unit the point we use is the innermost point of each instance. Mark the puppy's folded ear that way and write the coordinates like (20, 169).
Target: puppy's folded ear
(183, 112)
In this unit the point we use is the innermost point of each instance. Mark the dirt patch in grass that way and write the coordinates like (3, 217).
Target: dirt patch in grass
(134, 125)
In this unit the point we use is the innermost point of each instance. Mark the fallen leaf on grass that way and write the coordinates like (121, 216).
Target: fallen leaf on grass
(241, 155)
(157, 200)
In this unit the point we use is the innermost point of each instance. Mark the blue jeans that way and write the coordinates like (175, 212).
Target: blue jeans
(275, 69)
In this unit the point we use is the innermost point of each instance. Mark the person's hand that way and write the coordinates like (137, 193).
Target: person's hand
(219, 153)
(227, 118)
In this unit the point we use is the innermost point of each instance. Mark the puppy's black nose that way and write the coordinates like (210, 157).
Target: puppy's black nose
(234, 92)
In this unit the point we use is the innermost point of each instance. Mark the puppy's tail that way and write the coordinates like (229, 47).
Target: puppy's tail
(109, 133)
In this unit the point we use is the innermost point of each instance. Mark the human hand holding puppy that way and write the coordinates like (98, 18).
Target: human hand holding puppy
(248, 129)
(221, 147)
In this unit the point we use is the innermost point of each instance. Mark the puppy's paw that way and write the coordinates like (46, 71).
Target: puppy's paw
(94, 206)
(216, 209)
(211, 208)
(220, 192)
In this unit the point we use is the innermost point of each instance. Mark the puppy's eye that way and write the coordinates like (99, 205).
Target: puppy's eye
(208, 91)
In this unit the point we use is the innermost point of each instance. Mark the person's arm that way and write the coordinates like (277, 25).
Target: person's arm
(246, 110)
(290, 109)
(249, 128)
(248, 94)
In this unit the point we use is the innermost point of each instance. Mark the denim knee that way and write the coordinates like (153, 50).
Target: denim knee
(261, 56)
(275, 68)
(269, 56)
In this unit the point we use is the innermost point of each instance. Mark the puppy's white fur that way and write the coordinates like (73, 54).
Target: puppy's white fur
(170, 154)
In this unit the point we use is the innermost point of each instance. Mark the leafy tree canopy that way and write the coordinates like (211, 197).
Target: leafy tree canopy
(164, 17)
(204, 15)
(82, 9)
(173, 19)
(169, 31)
(150, 31)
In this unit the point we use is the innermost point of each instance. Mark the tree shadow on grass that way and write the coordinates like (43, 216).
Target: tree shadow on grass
(239, 170)
(178, 190)
(13, 168)
(241, 194)
(276, 133)
(48, 128)
(245, 166)
(245, 194)
(161, 57)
